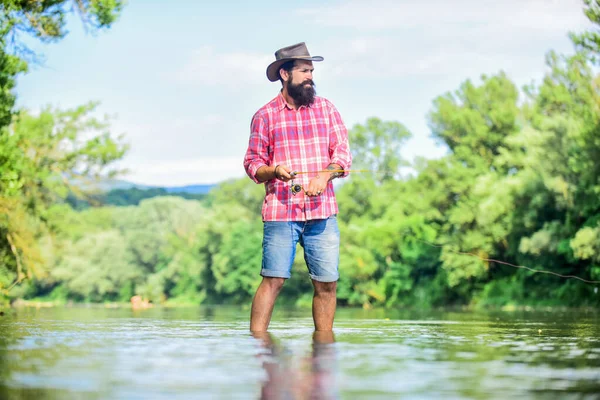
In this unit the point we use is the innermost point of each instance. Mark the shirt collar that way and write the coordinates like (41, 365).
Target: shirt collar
(281, 103)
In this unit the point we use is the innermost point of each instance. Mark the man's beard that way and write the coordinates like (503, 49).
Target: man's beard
(303, 96)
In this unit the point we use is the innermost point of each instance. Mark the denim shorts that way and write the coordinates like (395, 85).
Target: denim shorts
(320, 239)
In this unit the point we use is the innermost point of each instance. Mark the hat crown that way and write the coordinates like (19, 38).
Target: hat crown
(295, 50)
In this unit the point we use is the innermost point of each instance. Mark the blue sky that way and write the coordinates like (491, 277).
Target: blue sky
(182, 79)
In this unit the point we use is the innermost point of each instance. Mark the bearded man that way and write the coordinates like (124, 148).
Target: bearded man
(297, 131)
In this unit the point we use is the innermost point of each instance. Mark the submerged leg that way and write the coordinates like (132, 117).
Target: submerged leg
(324, 304)
(264, 300)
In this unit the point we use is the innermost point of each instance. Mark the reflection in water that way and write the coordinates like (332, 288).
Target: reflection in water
(314, 377)
(163, 353)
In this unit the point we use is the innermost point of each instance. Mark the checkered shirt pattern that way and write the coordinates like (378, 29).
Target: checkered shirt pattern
(307, 139)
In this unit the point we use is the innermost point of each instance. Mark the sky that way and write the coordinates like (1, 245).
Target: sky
(182, 79)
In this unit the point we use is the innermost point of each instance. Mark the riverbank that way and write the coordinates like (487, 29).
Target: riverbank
(135, 304)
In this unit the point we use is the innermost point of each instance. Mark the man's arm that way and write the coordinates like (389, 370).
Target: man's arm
(339, 149)
(265, 173)
(256, 160)
(336, 171)
(268, 172)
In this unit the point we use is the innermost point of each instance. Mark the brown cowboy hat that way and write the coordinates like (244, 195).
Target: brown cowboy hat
(294, 52)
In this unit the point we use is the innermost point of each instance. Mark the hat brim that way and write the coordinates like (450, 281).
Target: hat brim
(273, 68)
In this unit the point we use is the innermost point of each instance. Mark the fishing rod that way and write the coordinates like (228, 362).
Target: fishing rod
(331, 170)
(297, 188)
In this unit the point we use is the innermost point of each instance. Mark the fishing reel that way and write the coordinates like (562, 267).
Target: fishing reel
(295, 187)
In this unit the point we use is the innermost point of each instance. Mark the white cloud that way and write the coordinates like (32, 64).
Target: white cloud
(204, 170)
(439, 15)
(399, 39)
(207, 67)
(167, 138)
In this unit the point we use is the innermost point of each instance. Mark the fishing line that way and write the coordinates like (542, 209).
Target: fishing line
(296, 188)
(445, 247)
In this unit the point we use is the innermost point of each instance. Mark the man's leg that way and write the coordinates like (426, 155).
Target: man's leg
(264, 300)
(279, 250)
(321, 242)
(324, 303)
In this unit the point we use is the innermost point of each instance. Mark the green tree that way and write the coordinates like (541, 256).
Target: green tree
(475, 123)
(35, 166)
(241, 191)
(46, 19)
(96, 268)
(474, 120)
(376, 146)
(589, 40)
(42, 158)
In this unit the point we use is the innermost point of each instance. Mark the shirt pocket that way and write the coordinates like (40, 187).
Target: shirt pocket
(285, 144)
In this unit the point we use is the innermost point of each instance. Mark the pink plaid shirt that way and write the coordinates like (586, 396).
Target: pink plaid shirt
(307, 139)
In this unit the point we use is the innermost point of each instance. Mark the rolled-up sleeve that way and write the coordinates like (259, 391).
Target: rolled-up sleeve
(258, 147)
(339, 148)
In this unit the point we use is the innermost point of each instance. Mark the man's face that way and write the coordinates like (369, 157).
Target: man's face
(300, 85)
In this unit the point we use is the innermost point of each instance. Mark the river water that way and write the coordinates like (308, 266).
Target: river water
(193, 353)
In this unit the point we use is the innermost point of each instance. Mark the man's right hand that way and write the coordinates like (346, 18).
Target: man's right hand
(283, 173)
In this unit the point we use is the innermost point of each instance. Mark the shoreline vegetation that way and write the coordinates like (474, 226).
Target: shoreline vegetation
(39, 304)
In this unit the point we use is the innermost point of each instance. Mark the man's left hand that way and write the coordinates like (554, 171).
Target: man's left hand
(317, 185)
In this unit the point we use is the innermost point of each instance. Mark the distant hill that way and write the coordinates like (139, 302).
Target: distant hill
(113, 184)
(123, 193)
(192, 189)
